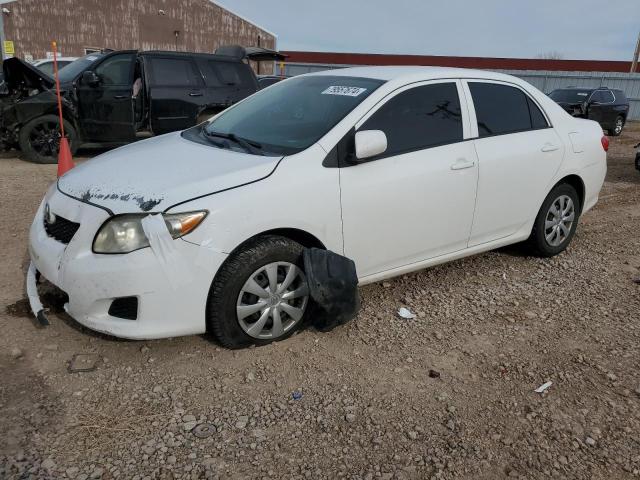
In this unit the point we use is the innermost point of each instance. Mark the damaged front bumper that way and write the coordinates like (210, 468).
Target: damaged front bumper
(93, 282)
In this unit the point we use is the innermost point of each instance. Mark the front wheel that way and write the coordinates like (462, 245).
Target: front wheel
(260, 294)
(40, 139)
(617, 127)
(556, 222)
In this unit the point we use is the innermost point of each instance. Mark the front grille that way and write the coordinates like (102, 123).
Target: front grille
(60, 228)
(124, 307)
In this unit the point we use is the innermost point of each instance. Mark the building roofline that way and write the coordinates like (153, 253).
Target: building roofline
(224, 7)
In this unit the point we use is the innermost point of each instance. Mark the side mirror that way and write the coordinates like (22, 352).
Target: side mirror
(90, 78)
(370, 143)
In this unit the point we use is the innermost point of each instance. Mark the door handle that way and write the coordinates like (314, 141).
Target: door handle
(195, 94)
(549, 147)
(120, 97)
(462, 163)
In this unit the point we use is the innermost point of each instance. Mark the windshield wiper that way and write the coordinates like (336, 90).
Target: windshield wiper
(249, 146)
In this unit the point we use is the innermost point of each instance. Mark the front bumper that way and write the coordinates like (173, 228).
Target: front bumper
(92, 281)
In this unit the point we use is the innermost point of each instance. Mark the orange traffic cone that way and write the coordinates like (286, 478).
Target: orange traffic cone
(65, 162)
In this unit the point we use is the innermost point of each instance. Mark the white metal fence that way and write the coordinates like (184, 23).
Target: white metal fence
(544, 80)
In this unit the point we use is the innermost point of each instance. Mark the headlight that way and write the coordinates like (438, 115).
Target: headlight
(124, 233)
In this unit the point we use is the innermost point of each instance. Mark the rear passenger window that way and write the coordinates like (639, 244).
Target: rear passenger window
(419, 118)
(606, 96)
(229, 73)
(174, 72)
(537, 118)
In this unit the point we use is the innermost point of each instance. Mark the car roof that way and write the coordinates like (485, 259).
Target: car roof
(211, 56)
(415, 73)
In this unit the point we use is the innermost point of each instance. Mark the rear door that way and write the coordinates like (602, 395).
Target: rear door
(106, 109)
(600, 106)
(176, 92)
(518, 153)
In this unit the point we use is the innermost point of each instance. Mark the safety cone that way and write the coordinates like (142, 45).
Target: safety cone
(65, 162)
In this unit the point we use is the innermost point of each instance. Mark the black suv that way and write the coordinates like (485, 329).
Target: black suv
(113, 98)
(606, 106)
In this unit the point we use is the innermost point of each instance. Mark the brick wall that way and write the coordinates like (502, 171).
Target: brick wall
(201, 26)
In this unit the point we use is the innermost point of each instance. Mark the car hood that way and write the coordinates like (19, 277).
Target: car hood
(18, 73)
(155, 174)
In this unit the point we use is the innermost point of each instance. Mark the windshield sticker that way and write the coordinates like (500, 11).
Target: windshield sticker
(346, 91)
(581, 94)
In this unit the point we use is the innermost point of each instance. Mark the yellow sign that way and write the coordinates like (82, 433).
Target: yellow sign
(8, 48)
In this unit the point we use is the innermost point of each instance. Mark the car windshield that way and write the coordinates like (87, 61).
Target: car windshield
(570, 95)
(71, 71)
(291, 115)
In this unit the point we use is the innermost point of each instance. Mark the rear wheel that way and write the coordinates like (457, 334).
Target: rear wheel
(617, 127)
(260, 294)
(40, 139)
(556, 222)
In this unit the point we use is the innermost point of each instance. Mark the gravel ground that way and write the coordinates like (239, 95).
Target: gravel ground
(449, 394)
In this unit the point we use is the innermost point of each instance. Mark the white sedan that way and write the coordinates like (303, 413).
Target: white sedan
(396, 168)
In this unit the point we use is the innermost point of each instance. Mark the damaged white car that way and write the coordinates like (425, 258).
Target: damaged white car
(396, 168)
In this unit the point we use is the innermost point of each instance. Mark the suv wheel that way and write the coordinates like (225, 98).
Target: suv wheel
(617, 127)
(556, 222)
(260, 294)
(40, 139)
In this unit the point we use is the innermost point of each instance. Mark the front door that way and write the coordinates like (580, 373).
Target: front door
(416, 200)
(176, 93)
(518, 153)
(106, 109)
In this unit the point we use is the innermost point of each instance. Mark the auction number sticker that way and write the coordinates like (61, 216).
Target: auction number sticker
(346, 91)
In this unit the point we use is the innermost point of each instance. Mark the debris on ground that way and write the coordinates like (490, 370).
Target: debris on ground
(296, 395)
(204, 430)
(406, 313)
(542, 388)
(434, 374)
(83, 362)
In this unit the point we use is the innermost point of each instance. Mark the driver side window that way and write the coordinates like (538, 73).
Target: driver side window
(419, 118)
(116, 70)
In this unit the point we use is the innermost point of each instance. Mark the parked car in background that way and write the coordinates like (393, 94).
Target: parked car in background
(397, 168)
(608, 107)
(113, 98)
(46, 64)
(265, 81)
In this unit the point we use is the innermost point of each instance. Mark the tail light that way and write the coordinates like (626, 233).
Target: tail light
(605, 143)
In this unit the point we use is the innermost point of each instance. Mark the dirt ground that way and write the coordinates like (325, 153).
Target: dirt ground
(449, 394)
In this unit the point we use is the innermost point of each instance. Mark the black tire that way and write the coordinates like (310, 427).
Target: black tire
(39, 139)
(612, 131)
(538, 243)
(222, 320)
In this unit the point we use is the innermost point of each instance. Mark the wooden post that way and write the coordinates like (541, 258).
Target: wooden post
(636, 55)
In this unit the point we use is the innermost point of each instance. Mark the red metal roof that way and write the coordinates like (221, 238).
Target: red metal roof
(464, 62)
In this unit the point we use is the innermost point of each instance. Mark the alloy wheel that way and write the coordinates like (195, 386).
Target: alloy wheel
(559, 221)
(272, 301)
(619, 125)
(45, 138)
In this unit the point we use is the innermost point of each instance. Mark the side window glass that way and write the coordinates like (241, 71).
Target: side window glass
(419, 118)
(174, 72)
(500, 109)
(229, 73)
(116, 70)
(537, 118)
(607, 96)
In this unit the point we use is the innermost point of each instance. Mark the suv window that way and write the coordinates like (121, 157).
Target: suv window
(229, 73)
(116, 70)
(419, 118)
(603, 96)
(501, 109)
(174, 72)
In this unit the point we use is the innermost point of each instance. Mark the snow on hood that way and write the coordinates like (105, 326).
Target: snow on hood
(154, 174)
